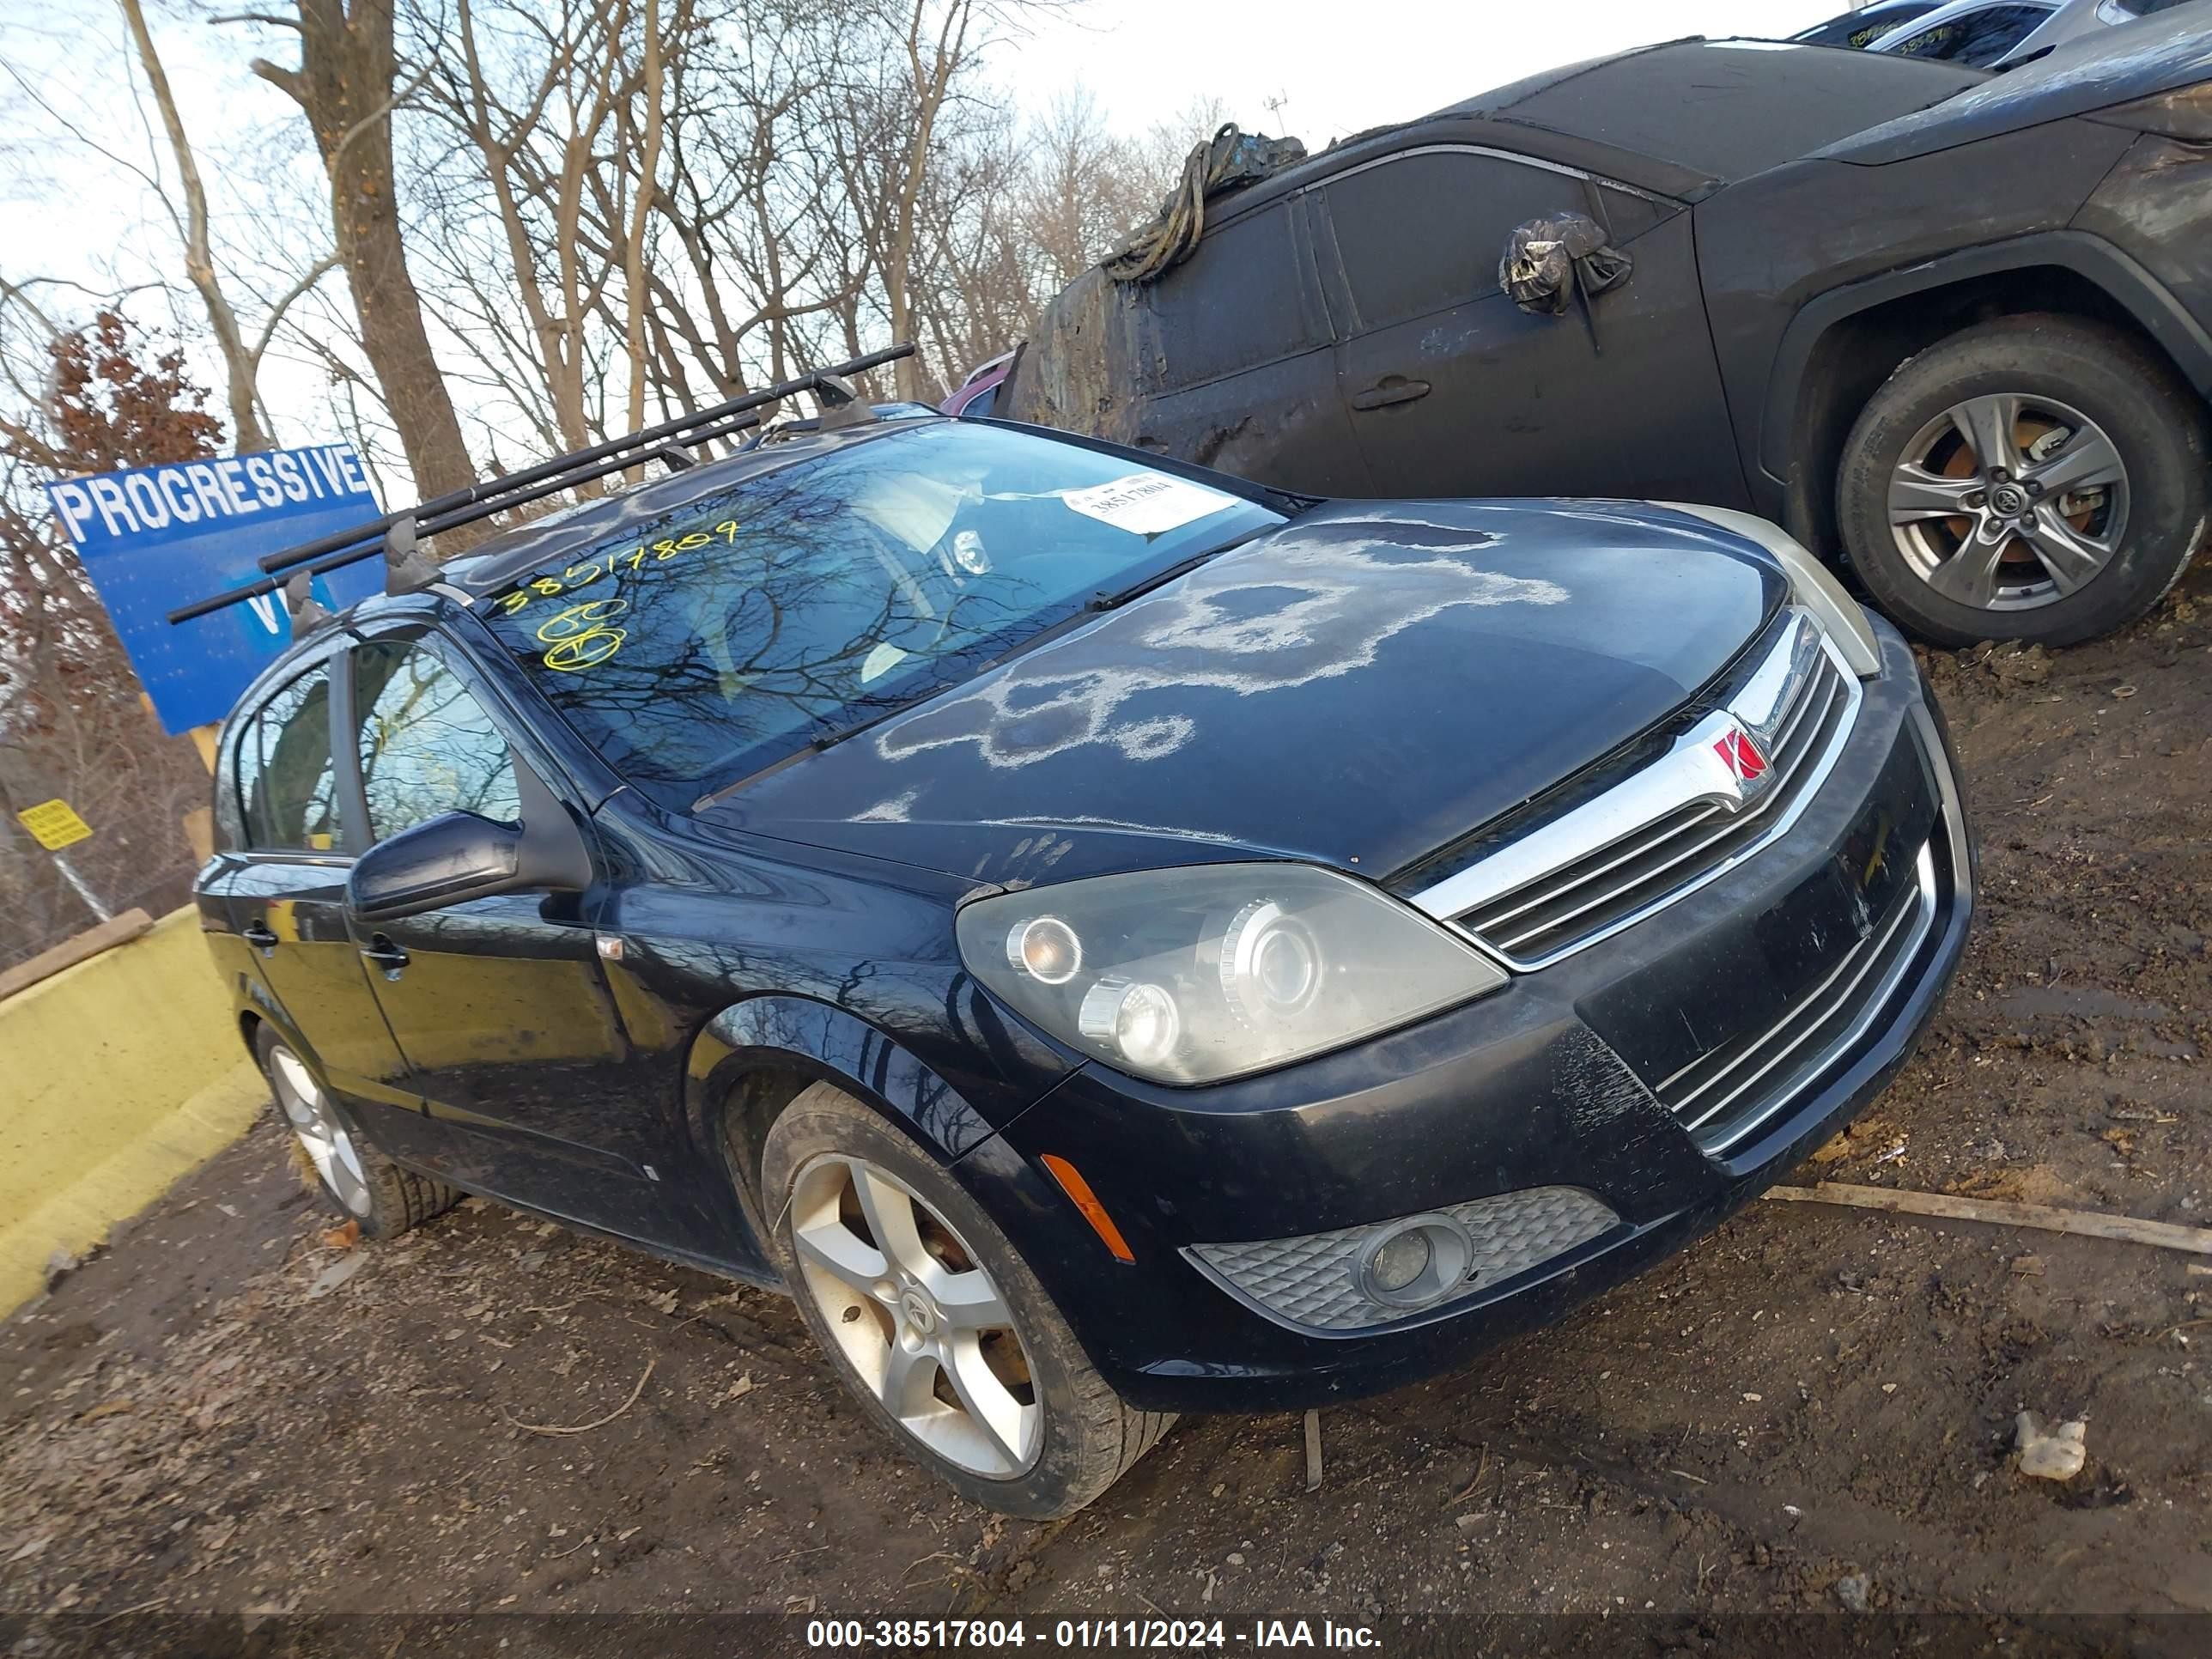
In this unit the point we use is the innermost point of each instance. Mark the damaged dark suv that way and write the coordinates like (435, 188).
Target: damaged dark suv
(1954, 331)
(1108, 938)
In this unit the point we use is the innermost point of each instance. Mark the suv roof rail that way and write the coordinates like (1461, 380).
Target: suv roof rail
(398, 535)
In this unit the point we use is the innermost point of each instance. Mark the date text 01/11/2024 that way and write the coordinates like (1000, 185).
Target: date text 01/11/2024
(1142, 1633)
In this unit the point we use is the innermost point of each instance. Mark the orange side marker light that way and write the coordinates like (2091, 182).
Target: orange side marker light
(1079, 1194)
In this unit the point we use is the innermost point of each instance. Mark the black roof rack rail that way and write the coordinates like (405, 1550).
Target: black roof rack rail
(398, 535)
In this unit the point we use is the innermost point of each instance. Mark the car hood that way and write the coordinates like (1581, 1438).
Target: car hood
(1358, 687)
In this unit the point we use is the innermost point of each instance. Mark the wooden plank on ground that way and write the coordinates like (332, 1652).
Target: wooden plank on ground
(2089, 1223)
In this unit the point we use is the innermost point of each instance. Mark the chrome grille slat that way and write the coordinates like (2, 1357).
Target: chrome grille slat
(1857, 964)
(1744, 827)
(1640, 842)
(1786, 737)
(1821, 1025)
(1680, 855)
(1637, 862)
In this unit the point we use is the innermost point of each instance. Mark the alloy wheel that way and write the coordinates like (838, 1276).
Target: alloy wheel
(328, 1144)
(923, 1324)
(2008, 501)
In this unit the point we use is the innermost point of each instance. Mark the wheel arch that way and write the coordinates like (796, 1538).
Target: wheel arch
(1841, 347)
(752, 1059)
(255, 1007)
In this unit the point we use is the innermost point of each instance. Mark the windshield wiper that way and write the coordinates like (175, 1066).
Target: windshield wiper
(1103, 601)
(1143, 585)
(828, 739)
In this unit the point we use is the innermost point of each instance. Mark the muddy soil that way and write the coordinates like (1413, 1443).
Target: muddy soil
(1812, 1409)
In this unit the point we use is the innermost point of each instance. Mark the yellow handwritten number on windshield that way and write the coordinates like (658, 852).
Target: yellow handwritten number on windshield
(583, 576)
(579, 636)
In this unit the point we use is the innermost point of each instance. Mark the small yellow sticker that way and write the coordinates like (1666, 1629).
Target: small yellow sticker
(54, 824)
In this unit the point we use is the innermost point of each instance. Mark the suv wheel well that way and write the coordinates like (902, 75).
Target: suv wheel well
(1851, 361)
(249, 1027)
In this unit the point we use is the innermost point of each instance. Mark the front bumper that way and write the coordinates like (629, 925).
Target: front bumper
(1548, 1083)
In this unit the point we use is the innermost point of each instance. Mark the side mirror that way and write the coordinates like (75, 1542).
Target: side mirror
(1547, 261)
(458, 856)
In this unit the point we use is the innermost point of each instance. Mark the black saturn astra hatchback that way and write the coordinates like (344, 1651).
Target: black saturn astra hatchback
(1108, 938)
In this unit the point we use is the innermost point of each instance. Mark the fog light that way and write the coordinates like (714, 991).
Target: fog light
(1413, 1262)
(1401, 1258)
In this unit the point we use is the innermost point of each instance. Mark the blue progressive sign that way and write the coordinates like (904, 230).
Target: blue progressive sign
(156, 538)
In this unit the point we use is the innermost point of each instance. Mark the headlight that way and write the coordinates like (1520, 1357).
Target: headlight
(1812, 583)
(1196, 975)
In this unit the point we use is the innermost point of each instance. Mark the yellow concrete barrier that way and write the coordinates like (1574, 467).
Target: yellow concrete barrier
(117, 1076)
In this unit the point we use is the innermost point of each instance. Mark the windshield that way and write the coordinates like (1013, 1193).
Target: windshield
(1864, 29)
(729, 636)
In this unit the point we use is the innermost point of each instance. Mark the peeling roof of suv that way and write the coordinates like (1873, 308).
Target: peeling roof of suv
(1682, 117)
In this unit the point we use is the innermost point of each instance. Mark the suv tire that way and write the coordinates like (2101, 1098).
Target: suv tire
(333, 1155)
(2050, 394)
(994, 1395)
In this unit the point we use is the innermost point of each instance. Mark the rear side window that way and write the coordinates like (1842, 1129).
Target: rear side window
(286, 782)
(1424, 232)
(1977, 41)
(1242, 299)
(427, 746)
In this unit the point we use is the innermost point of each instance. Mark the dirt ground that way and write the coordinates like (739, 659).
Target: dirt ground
(1812, 1409)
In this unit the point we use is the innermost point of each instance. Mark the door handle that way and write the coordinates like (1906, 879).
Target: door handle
(1391, 389)
(259, 937)
(382, 952)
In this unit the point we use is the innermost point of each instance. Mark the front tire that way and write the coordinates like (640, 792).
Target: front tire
(2037, 478)
(356, 1180)
(935, 1321)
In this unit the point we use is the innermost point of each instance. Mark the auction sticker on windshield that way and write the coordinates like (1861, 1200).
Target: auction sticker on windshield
(1146, 503)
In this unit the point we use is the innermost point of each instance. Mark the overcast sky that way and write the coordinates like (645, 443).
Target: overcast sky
(1336, 66)
(1316, 69)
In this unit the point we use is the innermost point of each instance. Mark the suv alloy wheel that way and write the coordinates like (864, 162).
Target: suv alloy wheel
(2037, 478)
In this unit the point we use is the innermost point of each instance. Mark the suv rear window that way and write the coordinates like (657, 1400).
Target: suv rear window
(1243, 299)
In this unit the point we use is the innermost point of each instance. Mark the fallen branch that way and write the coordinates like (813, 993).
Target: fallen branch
(2088, 1223)
(1467, 1491)
(583, 1428)
(142, 1606)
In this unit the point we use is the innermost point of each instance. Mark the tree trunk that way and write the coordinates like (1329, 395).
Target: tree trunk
(648, 169)
(931, 79)
(344, 83)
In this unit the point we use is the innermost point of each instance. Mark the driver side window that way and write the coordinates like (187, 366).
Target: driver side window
(427, 746)
(1421, 232)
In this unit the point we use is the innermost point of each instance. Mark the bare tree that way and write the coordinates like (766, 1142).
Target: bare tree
(937, 39)
(648, 169)
(346, 84)
(200, 254)
(72, 721)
